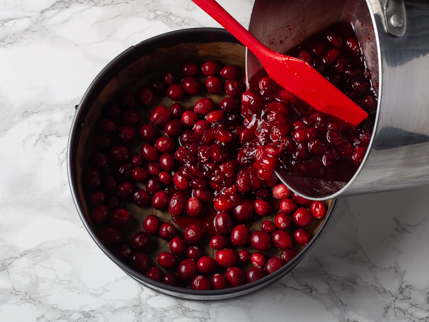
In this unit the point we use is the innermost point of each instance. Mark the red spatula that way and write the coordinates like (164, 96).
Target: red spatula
(291, 73)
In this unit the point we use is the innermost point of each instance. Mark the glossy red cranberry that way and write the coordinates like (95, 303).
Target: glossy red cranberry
(167, 260)
(318, 209)
(268, 226)
(281, 239)
(230, 72)
(223, 223)
(288, 205)
(160, 200)
(283, 221)
(216, 116)
(175, 92)
(100, 214)
(167, 231)
(136, 160)
(235, 276)
(240, 236)
(153, 185)
(214, 85)
(210, 68)
(173, 128)
(119, 154)
(160, 116)
(139, 261)
(97, 198)
(119, 218)
(201, 282)
(140, 174)
(260, 240)
(180, 182)
(243, 255)
(287, 255)
(122, 251)
(233, 88)
(141, 198)
(177, 110)
(112, 202)
(258, 259)
(177, 204)
(190, 69)
(166, 178)
(204, 195)
(221, 203)
(189, 118)
(168, 77)
(170, 279)
(226, 257)
(140, 240)
(262, 207)
(154, 273)
(254, 273)
(178, 246)
(194, 207)
(193, 234)
(149, 152)
(302, 217)
(153, 168)
(302, 236)
(191, 85)
(207, 265)
(187, 269)
(272, 265)
(125, 190)
(194, 253)
(123, 171)
(219, 281)
(218, 242)
(165, 144)
(151, 224)
(280, 191)
(158, 85)
(228, 104)
(166, 162)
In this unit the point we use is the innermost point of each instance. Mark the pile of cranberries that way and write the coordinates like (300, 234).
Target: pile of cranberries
(209, 166)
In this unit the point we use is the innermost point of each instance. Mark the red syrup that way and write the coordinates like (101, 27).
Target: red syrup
(314, 144)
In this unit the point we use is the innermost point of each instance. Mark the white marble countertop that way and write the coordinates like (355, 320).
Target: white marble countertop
(370, 265)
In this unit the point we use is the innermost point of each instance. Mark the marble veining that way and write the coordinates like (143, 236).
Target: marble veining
(370, 265)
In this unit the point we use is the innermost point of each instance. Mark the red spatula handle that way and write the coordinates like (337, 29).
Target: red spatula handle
(219, 14)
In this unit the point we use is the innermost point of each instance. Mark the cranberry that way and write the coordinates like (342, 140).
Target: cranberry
(178, 246)
(165, 144)
(272, 265)
(233, 88)
(153, 185)
(175, 92)
(189, 118)
(170, 279)
(92, 178)
(230, 72)
(139, 261)
(145, 95)
(141, 198)
(167, 162)
(235, 276)
(190, 69)
(194, 207)
(176, 110)
(140, 240)
(99, 160)
(149, 152)
(216, 116)
(218, 242)
(258, 259)
(207, 265)
(210, 68)
(283, 221)
(281, 239)
(226, 257)
(158, 85)
(268, 226)
(244, 211)
(221, 203)
(140, 174)
(153, 168)
(112, 202)
(151, 224)
(177, 204)
(223, 223)
(204, 195)
(262, 207)
(166, 178)
(122, 251)
(318, 209)
(287, 255)
(154, 273)
(136, 160)
(260, 240)
(219, 281)
(167, 260)
(201, 282)
(160, 200)
(302, 236)
(302, 217)
(119, 218)
(243, 255)
(214, 85)
(240, 235)
(280, 191)
(187, 269)
(254, 273)
(167, 231)
(194, 253)
(100, 214)
(125, 190)
(191, 85)
(288, 205)
(97, 198)
(193, 234)
(180, 182)
(173, 128)
(160, 116)
(106, 126)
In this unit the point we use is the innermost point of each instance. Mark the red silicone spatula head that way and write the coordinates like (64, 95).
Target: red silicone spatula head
(292, 74)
